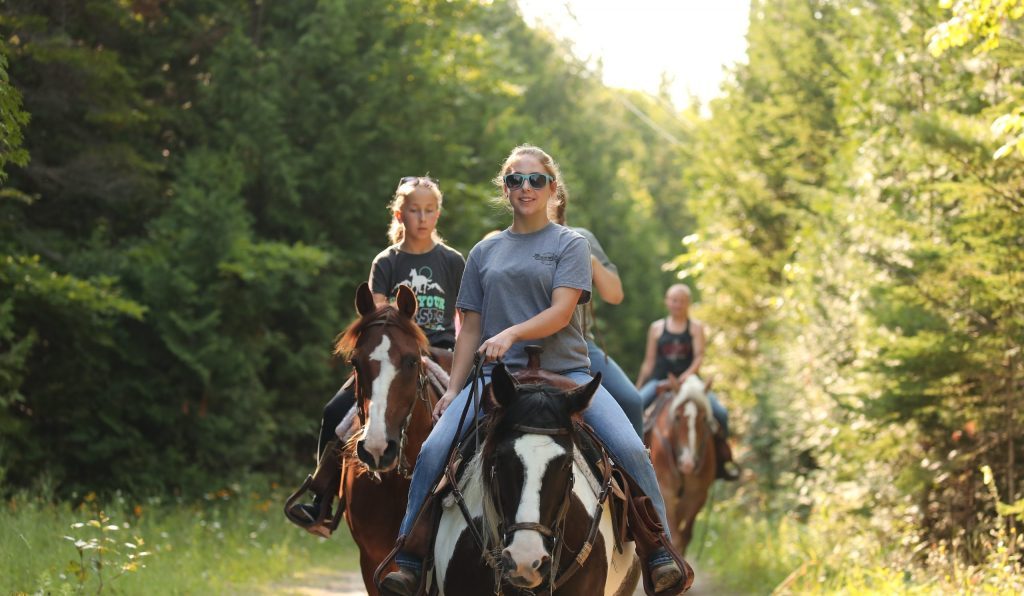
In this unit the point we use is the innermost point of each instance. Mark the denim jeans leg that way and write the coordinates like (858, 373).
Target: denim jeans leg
(648, 392)
(626, 448)
(430, 462)
(619, 385)
(719, 412)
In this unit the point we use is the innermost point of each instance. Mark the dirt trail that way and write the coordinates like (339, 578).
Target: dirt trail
(322, 581)
(326, 582)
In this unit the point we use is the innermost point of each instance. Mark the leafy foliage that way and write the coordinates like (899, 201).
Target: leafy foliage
(209, 182)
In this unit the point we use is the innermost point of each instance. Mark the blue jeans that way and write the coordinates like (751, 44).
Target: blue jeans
(619, 385)
(649, 391)
(604, 415)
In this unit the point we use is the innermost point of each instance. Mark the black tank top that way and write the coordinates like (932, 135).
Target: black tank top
(674, 353)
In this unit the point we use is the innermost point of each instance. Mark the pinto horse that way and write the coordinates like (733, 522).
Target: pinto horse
(544, 527)
(683, 453)
(394, 401)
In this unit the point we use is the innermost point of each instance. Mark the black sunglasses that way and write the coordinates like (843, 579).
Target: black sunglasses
(536, 179)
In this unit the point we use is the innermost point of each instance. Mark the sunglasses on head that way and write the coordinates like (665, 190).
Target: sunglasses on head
(416, 180)
(537, 180)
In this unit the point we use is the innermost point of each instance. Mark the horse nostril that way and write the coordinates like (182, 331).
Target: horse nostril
(540, 562)
(506, 560)
(390, 450)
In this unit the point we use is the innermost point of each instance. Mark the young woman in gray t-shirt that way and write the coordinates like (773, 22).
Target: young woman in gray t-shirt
(522, 286)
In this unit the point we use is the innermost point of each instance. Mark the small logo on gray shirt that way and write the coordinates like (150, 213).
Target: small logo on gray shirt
(547, 258)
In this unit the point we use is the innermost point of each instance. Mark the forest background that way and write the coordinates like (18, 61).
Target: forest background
(191, 191)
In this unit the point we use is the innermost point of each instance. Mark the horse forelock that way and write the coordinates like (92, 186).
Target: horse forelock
(537, 406)
(348, 340)
(693, 390)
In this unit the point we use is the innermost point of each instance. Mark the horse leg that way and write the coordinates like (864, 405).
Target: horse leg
(689, 507)
(677, 517)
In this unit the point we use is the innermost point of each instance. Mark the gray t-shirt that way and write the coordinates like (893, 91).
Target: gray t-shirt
(585, 312)
(510, 278)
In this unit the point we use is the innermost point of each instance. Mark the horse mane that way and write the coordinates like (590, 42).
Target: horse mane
(345, 343)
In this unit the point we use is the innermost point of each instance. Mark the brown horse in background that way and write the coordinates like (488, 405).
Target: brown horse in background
(394, 401)
(683, 453)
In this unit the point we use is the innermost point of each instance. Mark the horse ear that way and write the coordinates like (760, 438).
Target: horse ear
(503, 386)
(406, 301)
(579, 398)
(364, 300)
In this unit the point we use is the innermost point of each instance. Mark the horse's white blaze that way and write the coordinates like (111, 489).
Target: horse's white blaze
(452, 523)
(688, 456)
(376, 436)
(527, 547)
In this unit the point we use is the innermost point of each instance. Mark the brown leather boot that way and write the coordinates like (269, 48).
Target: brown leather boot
(665, 572)
(408, 581)
(726, 468)
(325, 484)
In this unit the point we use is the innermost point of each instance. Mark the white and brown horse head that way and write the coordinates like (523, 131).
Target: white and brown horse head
(530, 450)
(535, 503)
(692, 420)
(385, 347)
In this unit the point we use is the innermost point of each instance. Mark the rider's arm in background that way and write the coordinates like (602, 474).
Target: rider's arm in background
(462, 362)
(652, 346)
(606, 282)
(545, 323)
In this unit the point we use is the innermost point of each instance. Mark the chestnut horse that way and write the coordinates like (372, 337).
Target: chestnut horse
(683, 453)
(531, 517)
(394, 400)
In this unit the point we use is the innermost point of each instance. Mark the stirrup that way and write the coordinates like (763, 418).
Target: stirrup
(323, 525)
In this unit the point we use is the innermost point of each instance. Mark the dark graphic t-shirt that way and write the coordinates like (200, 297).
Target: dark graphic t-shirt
(675, 352)
(434, 276)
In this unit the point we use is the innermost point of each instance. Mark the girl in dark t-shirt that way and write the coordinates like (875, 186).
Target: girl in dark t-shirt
(418, 258)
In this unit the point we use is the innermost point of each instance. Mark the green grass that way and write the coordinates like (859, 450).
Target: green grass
(233, 541)
(747, 550)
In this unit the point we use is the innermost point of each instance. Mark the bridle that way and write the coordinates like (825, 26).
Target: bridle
(422, 395)
(554, 534)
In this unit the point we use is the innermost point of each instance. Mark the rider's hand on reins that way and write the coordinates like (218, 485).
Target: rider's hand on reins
(496, 347)
(442, 404)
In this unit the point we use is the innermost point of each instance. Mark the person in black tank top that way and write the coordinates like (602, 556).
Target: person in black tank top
(674, 353)
(675, 346)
